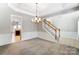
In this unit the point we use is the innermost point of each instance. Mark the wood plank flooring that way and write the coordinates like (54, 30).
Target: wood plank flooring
(37, 46)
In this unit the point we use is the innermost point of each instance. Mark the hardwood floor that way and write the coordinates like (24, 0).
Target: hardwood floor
(37, 46)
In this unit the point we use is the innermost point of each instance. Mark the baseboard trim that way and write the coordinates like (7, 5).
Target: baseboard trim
(6, 38)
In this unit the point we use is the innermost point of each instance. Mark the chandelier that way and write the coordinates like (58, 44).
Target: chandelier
(36, 19)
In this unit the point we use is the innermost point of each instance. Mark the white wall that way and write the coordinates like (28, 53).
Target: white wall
(5, 13)
(66, 22)
(5, 39)
(5, 30)
(78, 27)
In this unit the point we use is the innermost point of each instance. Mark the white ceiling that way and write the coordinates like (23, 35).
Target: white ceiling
(43, 8)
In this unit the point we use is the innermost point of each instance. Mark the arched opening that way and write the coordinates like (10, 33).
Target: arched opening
(16, 28)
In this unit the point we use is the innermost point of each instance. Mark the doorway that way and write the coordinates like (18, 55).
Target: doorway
(16, 28)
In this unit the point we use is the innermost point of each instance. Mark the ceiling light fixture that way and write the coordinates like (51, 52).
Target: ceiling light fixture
(36, 19)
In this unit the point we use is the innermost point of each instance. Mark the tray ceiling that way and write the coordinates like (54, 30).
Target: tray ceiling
(43, 8)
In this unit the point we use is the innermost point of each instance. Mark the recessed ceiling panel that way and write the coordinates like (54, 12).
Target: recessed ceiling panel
(43, 8)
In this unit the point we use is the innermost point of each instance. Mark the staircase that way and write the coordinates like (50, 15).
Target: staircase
(51, 29)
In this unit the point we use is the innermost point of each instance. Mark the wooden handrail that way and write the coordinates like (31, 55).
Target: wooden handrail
(50, 25)
(53, 27)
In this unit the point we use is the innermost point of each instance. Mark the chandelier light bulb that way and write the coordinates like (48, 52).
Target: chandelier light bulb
(36, 18)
